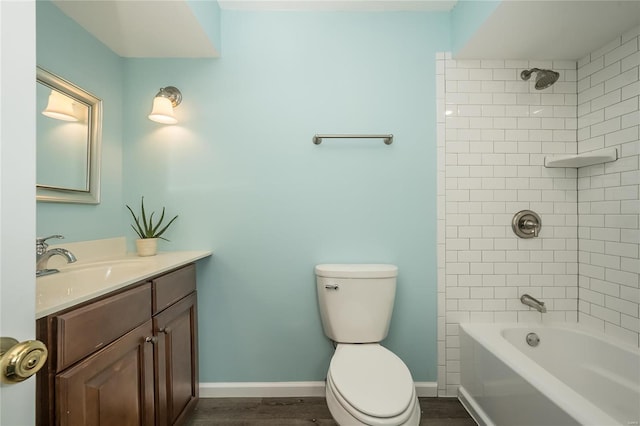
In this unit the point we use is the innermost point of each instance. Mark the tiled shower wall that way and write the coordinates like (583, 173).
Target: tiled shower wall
(608, 206)
(497, 130)
(494, 131)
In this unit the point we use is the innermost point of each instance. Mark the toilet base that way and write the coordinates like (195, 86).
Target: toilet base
(344, 418)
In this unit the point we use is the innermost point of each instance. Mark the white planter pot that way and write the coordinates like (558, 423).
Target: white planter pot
(147, 246)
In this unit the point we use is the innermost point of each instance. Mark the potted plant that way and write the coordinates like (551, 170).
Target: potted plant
(149, 232)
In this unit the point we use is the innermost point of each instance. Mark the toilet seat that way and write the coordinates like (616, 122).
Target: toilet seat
(372, 384)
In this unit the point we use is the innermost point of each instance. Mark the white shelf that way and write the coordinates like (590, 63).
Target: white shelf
(599, 156)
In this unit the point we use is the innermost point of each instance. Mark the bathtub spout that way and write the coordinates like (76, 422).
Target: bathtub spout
(534, 303)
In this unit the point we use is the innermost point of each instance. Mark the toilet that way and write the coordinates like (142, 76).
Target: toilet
(367, 384)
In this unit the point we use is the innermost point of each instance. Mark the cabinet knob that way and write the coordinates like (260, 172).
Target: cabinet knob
(150, 339)
(20, 360)
(165, 330)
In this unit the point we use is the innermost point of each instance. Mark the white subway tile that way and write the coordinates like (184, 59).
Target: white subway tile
(630, 61)
(516, 87)
(515, 63)
(481, 74)
(630, 134)
(584, 84)
(606, 314)
(621, 52)
(493, 305)
(628, 192)
(630, 90)
(605, 234)
(627, 77)
(480, 98)
(493, 280)
(504, 98)
(469, 86)
(589, 68)
(622, 249)
(621, 221)
(630, 207)
(622, 277)
(606, 73)
(470, 280)
(468, 63)
(493, 87)
(621, 108)
(492, 63)
(471, 305)
(592, 94)
(553, 123)
(505, 74)
(605, 100)
(605, 260)
(564, 111)
(567, 88)
(592, 118)
(608, 126)
(631, 119)
(630, 294)
(457, 74)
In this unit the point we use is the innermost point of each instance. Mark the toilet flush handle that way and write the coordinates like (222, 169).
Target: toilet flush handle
(331, 286)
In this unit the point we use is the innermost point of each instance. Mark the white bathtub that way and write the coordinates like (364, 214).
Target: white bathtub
(571, 377)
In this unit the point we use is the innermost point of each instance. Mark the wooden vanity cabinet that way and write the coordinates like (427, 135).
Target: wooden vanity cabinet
(126, 358)
(176, 346)
(114, 386)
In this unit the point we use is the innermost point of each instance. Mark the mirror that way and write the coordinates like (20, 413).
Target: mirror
(68, 136)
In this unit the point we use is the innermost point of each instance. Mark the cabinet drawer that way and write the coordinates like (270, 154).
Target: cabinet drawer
(173, 286)
(89, 328)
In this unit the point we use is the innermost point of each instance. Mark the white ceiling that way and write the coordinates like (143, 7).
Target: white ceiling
(547, 29)
(518, 29)
(142, 28)
(339, 5)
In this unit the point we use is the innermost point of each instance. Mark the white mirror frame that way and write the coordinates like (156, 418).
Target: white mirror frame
(65, 195)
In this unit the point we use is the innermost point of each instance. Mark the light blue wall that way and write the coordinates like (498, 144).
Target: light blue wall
(66, 49)
(243, 174)
(466, 18)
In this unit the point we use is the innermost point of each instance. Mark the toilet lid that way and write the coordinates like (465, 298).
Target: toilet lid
(372, 379)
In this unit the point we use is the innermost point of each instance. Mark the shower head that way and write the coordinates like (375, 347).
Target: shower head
(544, 79)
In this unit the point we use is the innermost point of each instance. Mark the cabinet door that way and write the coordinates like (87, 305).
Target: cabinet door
(177, 361)
(112, 387)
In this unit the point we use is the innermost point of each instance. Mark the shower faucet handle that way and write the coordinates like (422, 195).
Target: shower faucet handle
(526, 224)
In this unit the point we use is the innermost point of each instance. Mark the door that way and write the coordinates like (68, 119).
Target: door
(17, 195)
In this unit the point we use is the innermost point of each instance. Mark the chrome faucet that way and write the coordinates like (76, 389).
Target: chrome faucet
(534, 303)
(43, 255)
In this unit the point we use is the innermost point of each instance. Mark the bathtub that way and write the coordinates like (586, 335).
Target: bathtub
(572, 377)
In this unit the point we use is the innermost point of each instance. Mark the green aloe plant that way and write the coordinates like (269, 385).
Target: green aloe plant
(146, 228)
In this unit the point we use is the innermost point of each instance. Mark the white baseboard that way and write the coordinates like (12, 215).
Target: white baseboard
(284, 389)
(261, 389)
(427, 389)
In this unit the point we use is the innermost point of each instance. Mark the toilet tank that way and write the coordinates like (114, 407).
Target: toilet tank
(356, 300)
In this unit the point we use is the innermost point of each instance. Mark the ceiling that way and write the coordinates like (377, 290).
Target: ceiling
(339, 5)
(142, 28)
(518, 29)
(547, 29)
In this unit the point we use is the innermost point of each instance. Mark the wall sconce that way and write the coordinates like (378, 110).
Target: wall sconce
(163, 104)
(60, 107)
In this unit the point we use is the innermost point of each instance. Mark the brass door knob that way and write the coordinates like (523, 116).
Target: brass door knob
(20, 360)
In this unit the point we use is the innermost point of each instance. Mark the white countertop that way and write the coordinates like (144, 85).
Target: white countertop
(82, 281)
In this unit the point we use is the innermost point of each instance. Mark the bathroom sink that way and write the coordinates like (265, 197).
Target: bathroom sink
(92, 278)
(89, 277)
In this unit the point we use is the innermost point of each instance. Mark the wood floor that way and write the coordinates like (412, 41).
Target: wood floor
(307, 411)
